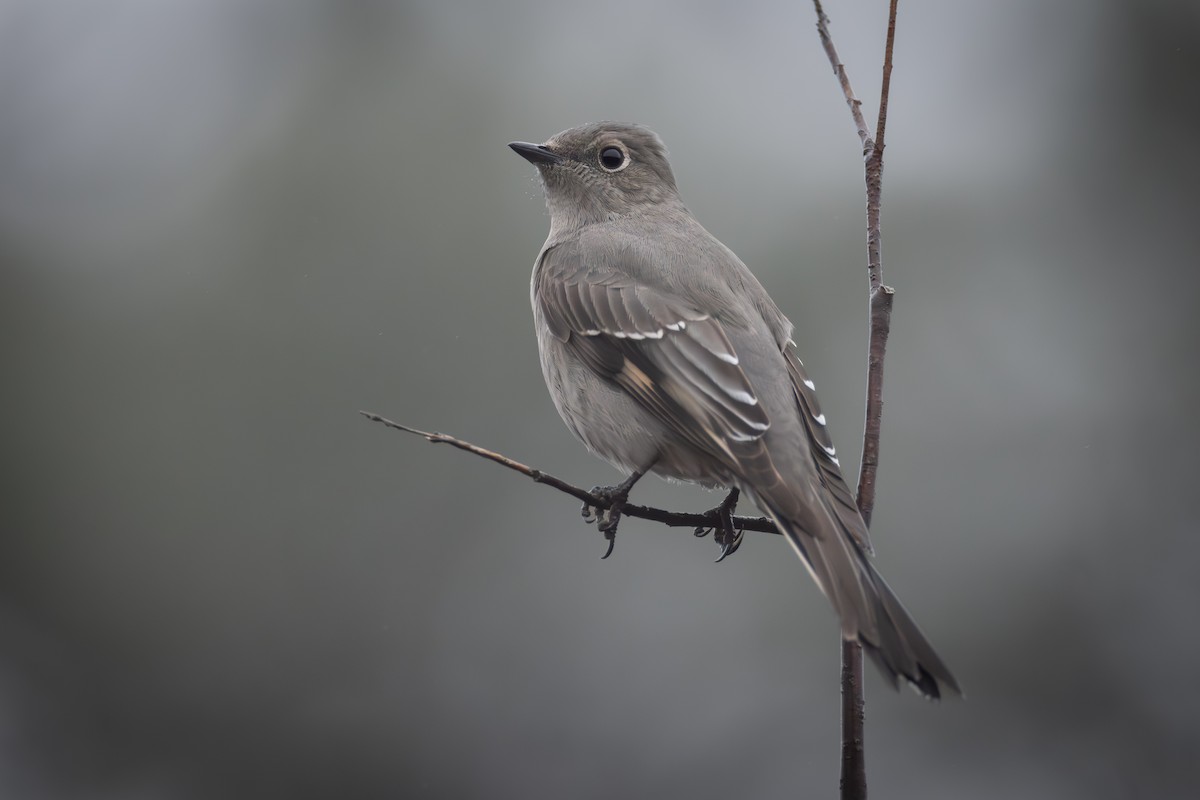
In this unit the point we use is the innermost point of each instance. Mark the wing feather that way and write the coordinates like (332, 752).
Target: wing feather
(572, 310)
(673, 358)
(829, 469)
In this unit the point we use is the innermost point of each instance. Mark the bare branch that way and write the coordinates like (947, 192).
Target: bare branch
(881, 126)
(672, 519)
(881, 296)
(853, 780)
(874, 178)
(854, 776)
(864, 134)
(881, 324)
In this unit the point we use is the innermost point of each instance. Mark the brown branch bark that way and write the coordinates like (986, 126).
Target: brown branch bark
(839, 69)
(854, 773)
(672, 519)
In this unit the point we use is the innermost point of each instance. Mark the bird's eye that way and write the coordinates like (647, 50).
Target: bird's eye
(612, 158)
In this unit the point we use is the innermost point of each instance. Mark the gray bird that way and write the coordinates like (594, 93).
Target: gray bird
(663, 353)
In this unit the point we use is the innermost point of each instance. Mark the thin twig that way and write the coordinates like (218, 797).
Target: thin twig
(864, 133)
(672, 519)
(887, 77)
(853, 772)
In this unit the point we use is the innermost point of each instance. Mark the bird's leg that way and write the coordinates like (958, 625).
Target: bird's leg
(606, 519)
(724, 533)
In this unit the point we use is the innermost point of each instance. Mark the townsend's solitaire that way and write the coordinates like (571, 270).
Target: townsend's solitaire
(663, 353)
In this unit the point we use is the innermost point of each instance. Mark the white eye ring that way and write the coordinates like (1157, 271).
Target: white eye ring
(613, 158)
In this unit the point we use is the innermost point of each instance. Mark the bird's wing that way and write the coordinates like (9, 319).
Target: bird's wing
(672, 357)
(829, 470)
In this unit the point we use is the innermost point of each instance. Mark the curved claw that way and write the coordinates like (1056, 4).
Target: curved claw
(724, 533)
(730, 545)
(606, 519)
(612, 541)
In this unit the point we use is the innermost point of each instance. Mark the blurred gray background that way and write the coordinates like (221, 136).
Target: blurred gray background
(225, 227)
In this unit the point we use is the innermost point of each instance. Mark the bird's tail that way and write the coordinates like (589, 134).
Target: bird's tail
(868, 609)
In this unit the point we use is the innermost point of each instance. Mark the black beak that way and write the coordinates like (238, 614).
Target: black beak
(536, 153)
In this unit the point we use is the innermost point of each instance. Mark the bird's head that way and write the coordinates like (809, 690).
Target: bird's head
(601, 171)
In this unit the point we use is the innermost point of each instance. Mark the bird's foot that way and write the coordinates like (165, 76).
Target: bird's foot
(728, 537)
(607, 515)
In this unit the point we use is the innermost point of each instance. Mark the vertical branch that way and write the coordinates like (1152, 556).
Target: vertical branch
(853, 779)
(881, 295)
(881, 321)
(853, 766)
